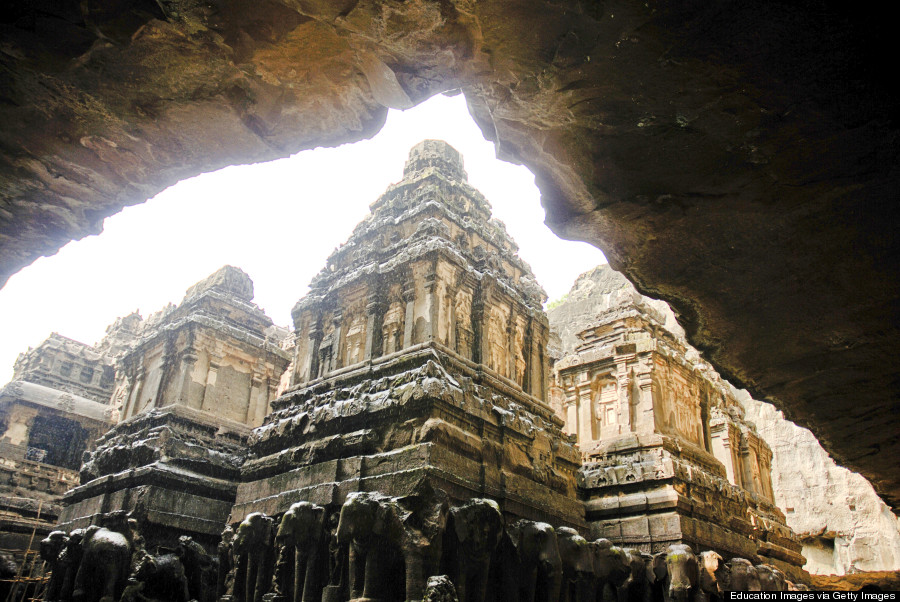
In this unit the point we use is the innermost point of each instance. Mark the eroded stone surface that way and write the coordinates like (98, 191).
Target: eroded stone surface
(835, 512)
(736, 160)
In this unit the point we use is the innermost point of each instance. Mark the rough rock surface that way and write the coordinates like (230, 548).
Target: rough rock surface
(738, 160)
(844, 525)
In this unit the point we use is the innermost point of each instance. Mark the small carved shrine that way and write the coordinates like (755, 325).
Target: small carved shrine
(198, 378)
(420, 358)
(667, 455)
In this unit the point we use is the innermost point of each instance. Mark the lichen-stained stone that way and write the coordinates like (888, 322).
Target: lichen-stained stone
(668, 456)
(737, 160)
(420, 358)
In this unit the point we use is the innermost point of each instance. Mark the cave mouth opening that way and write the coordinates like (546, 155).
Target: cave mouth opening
(278, 221)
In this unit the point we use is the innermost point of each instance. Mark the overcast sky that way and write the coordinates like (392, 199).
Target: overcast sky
(277, 221)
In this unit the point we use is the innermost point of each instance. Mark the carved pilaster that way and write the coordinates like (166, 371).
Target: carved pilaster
(375, 308)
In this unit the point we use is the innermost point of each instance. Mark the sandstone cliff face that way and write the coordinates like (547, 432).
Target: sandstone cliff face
(844, 525)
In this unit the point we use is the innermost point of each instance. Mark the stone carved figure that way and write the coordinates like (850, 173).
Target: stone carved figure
(531, 567)
(200, 569)
(713, 577)
(520, 354)
(300, 538)
(355, 346)
(252, 549)
(770, 578)
(65, 568)
(498, 343)
(682, 573)
(636, 587)
(377, 527)
(225, 581)
(392, 327)
(577, 566)
(742, 576)
(463, 313)
(51, 549)
(611, 568)
(474, 532)
(157, 579)
(105, 560)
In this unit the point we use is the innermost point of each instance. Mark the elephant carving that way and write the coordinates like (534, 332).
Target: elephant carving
(713, 577)
(412, 526)
(252, 549)
(577, 566)
(300, 539)
(157, 579)
(636, 587)
(474, 532)
(743, 576)
(770, 578)
(682, 573)
(225, 577)
(611, 569)
(200, 569)
(530, 563)
(66, 566)
(51, 550)
(105, 561)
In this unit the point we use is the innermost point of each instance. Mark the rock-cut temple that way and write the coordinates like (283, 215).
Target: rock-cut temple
(404, 431)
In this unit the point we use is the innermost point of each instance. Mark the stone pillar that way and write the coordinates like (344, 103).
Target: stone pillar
(431, 305)
(337, 340)
(480, 317)
(312, 359)
(375, 309)
(725, 443)
(188, 359)
(209, 391)
(409, 322)
(585, 414)
(136, 390)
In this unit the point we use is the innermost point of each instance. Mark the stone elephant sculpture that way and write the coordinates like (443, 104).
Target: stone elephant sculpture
(474, 532)
(252, 549)
(300, 537)
(742, 576)
(62, 581)
(411, 526)
(531, 567)
(611, 569)
(51, 549)
(200, 569)
(682, 573)
(714, 577)
(636, 587)
(104, 567)
(770, 578)
(158, 579)
(577, 567)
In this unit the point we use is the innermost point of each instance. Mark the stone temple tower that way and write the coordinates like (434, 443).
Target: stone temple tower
(420, 362)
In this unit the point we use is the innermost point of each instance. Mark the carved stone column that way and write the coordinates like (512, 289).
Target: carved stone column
(431, 305)
(209, 391)
(409, 323)
(315, 338)
(375, 308)
(188, 359)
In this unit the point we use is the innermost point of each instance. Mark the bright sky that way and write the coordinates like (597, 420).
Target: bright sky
(277, 221)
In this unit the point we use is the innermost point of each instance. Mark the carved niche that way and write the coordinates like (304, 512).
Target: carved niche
(355, 339)
(498, 340)
(393, 323)
(464, 335)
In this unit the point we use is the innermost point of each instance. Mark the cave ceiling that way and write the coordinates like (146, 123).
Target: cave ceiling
(737, 159)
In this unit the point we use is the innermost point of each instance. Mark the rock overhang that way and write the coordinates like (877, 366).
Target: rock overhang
(738, 161)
